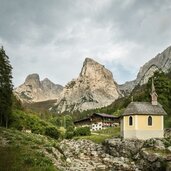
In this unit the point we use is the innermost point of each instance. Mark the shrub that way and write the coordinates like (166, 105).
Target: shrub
(82, 131)
(69, 135)
(62, 131)
(70, 129)
(21, 120)
(38, 130)
(52, 132)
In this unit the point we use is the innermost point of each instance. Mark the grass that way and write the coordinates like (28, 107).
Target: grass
(24, 151)
(17, 158)
(101, 135)
(114, 131)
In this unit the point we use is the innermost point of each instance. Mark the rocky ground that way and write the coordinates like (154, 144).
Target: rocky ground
(152, 154)
(115, 155)
(84, 155)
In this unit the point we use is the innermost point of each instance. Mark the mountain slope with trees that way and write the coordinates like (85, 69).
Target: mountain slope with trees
(162, 83)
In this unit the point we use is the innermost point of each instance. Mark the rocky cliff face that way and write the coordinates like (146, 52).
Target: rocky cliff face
(34, 90)
(94, 88)
(161, 62)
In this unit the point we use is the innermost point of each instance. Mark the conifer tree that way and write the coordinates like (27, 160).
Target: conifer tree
(6, 88)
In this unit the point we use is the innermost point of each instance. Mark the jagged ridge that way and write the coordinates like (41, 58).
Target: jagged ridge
(94, 88)
(34, 90)
(160, 62)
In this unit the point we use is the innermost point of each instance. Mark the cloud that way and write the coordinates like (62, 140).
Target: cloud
(53, 37)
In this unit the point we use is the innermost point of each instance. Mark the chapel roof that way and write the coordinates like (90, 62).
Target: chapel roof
(141, 108)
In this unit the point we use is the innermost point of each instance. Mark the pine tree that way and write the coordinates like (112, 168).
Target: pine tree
(6, 88)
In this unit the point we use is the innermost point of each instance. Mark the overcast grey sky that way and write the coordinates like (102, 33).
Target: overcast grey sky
(53, 37)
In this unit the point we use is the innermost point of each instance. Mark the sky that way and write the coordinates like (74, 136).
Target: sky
(53, 37)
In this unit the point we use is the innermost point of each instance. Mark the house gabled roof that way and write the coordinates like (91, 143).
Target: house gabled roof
(105, 115)
(82, 120)
(141, 108)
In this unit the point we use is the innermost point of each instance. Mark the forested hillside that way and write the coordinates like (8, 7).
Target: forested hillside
(140, 93)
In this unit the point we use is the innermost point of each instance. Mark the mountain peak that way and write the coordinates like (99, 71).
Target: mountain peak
(89, 61)
(33, 79)
(46, 80)
(94, 88)
(34, 90)
(161, 62)
(33, 76)
(91, 67)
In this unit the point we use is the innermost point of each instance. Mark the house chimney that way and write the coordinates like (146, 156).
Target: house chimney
(153, 94)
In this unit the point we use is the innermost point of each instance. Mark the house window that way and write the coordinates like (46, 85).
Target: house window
(130, 120)
(149, 121)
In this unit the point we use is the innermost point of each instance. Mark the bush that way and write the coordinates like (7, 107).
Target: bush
(82, 131)
(38, 130)
(70, 129)
(62, 131)
(69, 135)
(52, 132)
(21, 120)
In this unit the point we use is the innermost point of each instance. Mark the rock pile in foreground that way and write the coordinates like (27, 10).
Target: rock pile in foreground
(84, 155)
(115, 155)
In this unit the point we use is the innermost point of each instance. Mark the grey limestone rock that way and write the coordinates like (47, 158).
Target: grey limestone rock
(34, 90)
(94, 88)
(161, 62)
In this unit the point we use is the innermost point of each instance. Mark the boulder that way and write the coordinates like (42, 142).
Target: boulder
(125, 148)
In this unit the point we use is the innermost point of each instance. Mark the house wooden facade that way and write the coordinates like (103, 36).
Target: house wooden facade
(98, 121)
